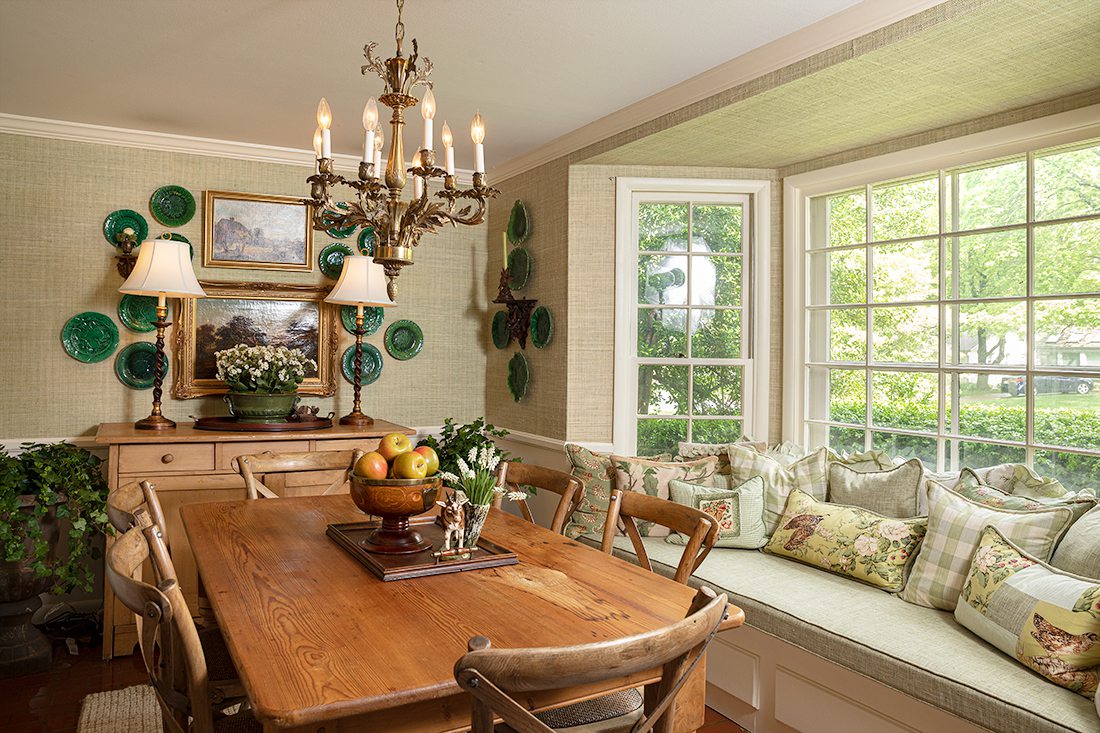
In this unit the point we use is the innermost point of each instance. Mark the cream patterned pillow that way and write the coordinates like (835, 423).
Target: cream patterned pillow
(1048, 620)
(590, 468)
(653, 477)
(971, 486)
(955, 525)
(807, 474)
(738, 512)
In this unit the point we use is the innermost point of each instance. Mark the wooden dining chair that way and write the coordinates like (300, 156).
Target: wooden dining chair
(493, 676)
(513, 476)
(625, 507)
(174, 657)
(254, 467)
(123, 501)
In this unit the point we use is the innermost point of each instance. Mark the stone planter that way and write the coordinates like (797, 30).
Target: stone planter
(23, 648)
(261, 408)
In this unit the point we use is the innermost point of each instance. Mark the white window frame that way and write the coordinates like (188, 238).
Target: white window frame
(756, 273)
(1014, 140)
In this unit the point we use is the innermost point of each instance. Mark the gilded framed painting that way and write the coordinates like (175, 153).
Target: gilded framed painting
(254, 314)
(256, 231)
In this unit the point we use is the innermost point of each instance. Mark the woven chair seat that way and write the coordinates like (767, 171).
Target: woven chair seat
(614, 712)
(219, 665)
(239, 723)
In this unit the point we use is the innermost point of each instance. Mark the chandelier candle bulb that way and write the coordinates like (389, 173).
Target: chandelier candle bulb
(427, 111)
(418, 182)
(370, 121)
(477, 134)
(448, 148)
(378, 144)
(324, 120)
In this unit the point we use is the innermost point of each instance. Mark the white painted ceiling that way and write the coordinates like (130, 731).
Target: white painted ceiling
(253, 70)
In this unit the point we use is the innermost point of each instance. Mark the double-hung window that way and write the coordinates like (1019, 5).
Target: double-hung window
(684, 366)
(955, 315)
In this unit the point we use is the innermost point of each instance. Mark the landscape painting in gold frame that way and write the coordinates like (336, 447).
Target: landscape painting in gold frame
(258, 231)
(254, 314)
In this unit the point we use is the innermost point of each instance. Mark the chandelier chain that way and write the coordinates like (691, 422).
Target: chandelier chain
(399, 29)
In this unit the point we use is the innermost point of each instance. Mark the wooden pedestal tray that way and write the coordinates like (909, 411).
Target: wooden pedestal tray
(418, 564)
(226, 422)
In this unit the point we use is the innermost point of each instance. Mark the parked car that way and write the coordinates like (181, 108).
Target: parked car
(1017, 386)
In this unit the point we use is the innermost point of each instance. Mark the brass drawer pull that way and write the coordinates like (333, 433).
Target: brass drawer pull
(167, 458)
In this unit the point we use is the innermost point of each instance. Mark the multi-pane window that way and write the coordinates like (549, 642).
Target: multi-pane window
(688, 344)
(955, 316)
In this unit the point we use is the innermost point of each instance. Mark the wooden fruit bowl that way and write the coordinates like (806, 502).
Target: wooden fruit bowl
(395, 500)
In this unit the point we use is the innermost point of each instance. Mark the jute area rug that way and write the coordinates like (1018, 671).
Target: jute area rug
(129, 710)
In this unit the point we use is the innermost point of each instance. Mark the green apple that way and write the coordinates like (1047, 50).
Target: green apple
(410, 465)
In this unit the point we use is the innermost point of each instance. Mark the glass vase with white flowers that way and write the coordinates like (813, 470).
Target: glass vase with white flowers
(263, 380)
(477, 479)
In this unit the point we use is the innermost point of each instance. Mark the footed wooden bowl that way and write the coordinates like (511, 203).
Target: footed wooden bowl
(395, 500)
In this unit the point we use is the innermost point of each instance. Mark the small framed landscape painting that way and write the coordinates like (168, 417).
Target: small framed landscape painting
(256, 231)
(254, 314)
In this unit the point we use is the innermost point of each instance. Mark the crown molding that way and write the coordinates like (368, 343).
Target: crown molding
(842, 27)
(168, 142)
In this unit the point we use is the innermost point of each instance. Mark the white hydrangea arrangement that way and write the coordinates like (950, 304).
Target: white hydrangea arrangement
(477, 477)
(262, 369)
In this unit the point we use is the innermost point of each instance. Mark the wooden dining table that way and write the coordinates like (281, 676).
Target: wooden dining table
(322, 645)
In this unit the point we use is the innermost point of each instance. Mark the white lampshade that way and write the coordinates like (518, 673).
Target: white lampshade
(362, 282)
(163, 267)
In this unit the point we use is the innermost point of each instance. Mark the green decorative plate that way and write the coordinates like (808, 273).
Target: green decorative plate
(404, 339)
(501, 335)
(89, 337)
(366, 241)
(137, 312)
(343, 232)
(542, 327)
(519, 226)
(519, 268)
(172, 206)
(136, 363)
(331, 259)
(372, 364)
(372, 318)
(116, 221)
(518, 376)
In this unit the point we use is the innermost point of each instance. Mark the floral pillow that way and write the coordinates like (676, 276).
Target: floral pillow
(591, 468)
(692, 451)
(973, 488)
(653, 477)
(848, 540)
(807, 474)
(738, 512)
(1047, 619)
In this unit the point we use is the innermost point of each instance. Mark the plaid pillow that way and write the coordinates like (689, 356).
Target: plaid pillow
(955, 525)
(807, 474)
(590, 468)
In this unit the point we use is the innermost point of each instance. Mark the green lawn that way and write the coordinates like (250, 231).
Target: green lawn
(1081, 401)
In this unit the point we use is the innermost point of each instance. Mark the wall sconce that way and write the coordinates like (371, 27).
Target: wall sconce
(125, 260)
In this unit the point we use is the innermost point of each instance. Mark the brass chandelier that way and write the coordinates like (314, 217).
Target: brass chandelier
(398, 224)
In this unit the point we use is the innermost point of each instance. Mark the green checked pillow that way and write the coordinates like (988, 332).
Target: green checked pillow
(848, 540)
(1047, 620)
(590, 468)
(653, 478)
(973, 488)
(807, 474)
(955, 525)
(738, 512)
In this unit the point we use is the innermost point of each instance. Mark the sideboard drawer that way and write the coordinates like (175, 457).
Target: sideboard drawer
(363, 444)
(159, 458)
(228, 451)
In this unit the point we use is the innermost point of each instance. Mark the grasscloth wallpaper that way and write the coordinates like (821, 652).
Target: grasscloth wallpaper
(55, 263)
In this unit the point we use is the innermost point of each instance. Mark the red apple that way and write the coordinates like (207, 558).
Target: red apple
(372, 465)
(430, 456)
(394, 445)
(410, 465)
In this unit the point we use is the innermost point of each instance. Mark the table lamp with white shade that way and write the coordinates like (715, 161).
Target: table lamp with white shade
(163, 269)
(362, 283)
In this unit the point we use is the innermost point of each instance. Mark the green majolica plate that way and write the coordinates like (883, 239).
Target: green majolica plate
(519, 376)
(501, 335)
(372, 318)
(89, 337)
(137, 312)
(342, 232)
(372, 364)
(519, 268)
(542, 327)
(331, 259)
(519, 226)
(172, 206)
(135, 365)
(116, 221)
(366, 241)
(404, 339)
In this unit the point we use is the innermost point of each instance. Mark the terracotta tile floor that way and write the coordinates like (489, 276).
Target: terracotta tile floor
(50, 702)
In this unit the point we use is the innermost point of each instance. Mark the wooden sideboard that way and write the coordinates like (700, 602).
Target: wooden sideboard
(191, 466)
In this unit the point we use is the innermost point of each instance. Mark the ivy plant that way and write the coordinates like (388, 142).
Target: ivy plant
(42, 477)
(456, 441)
